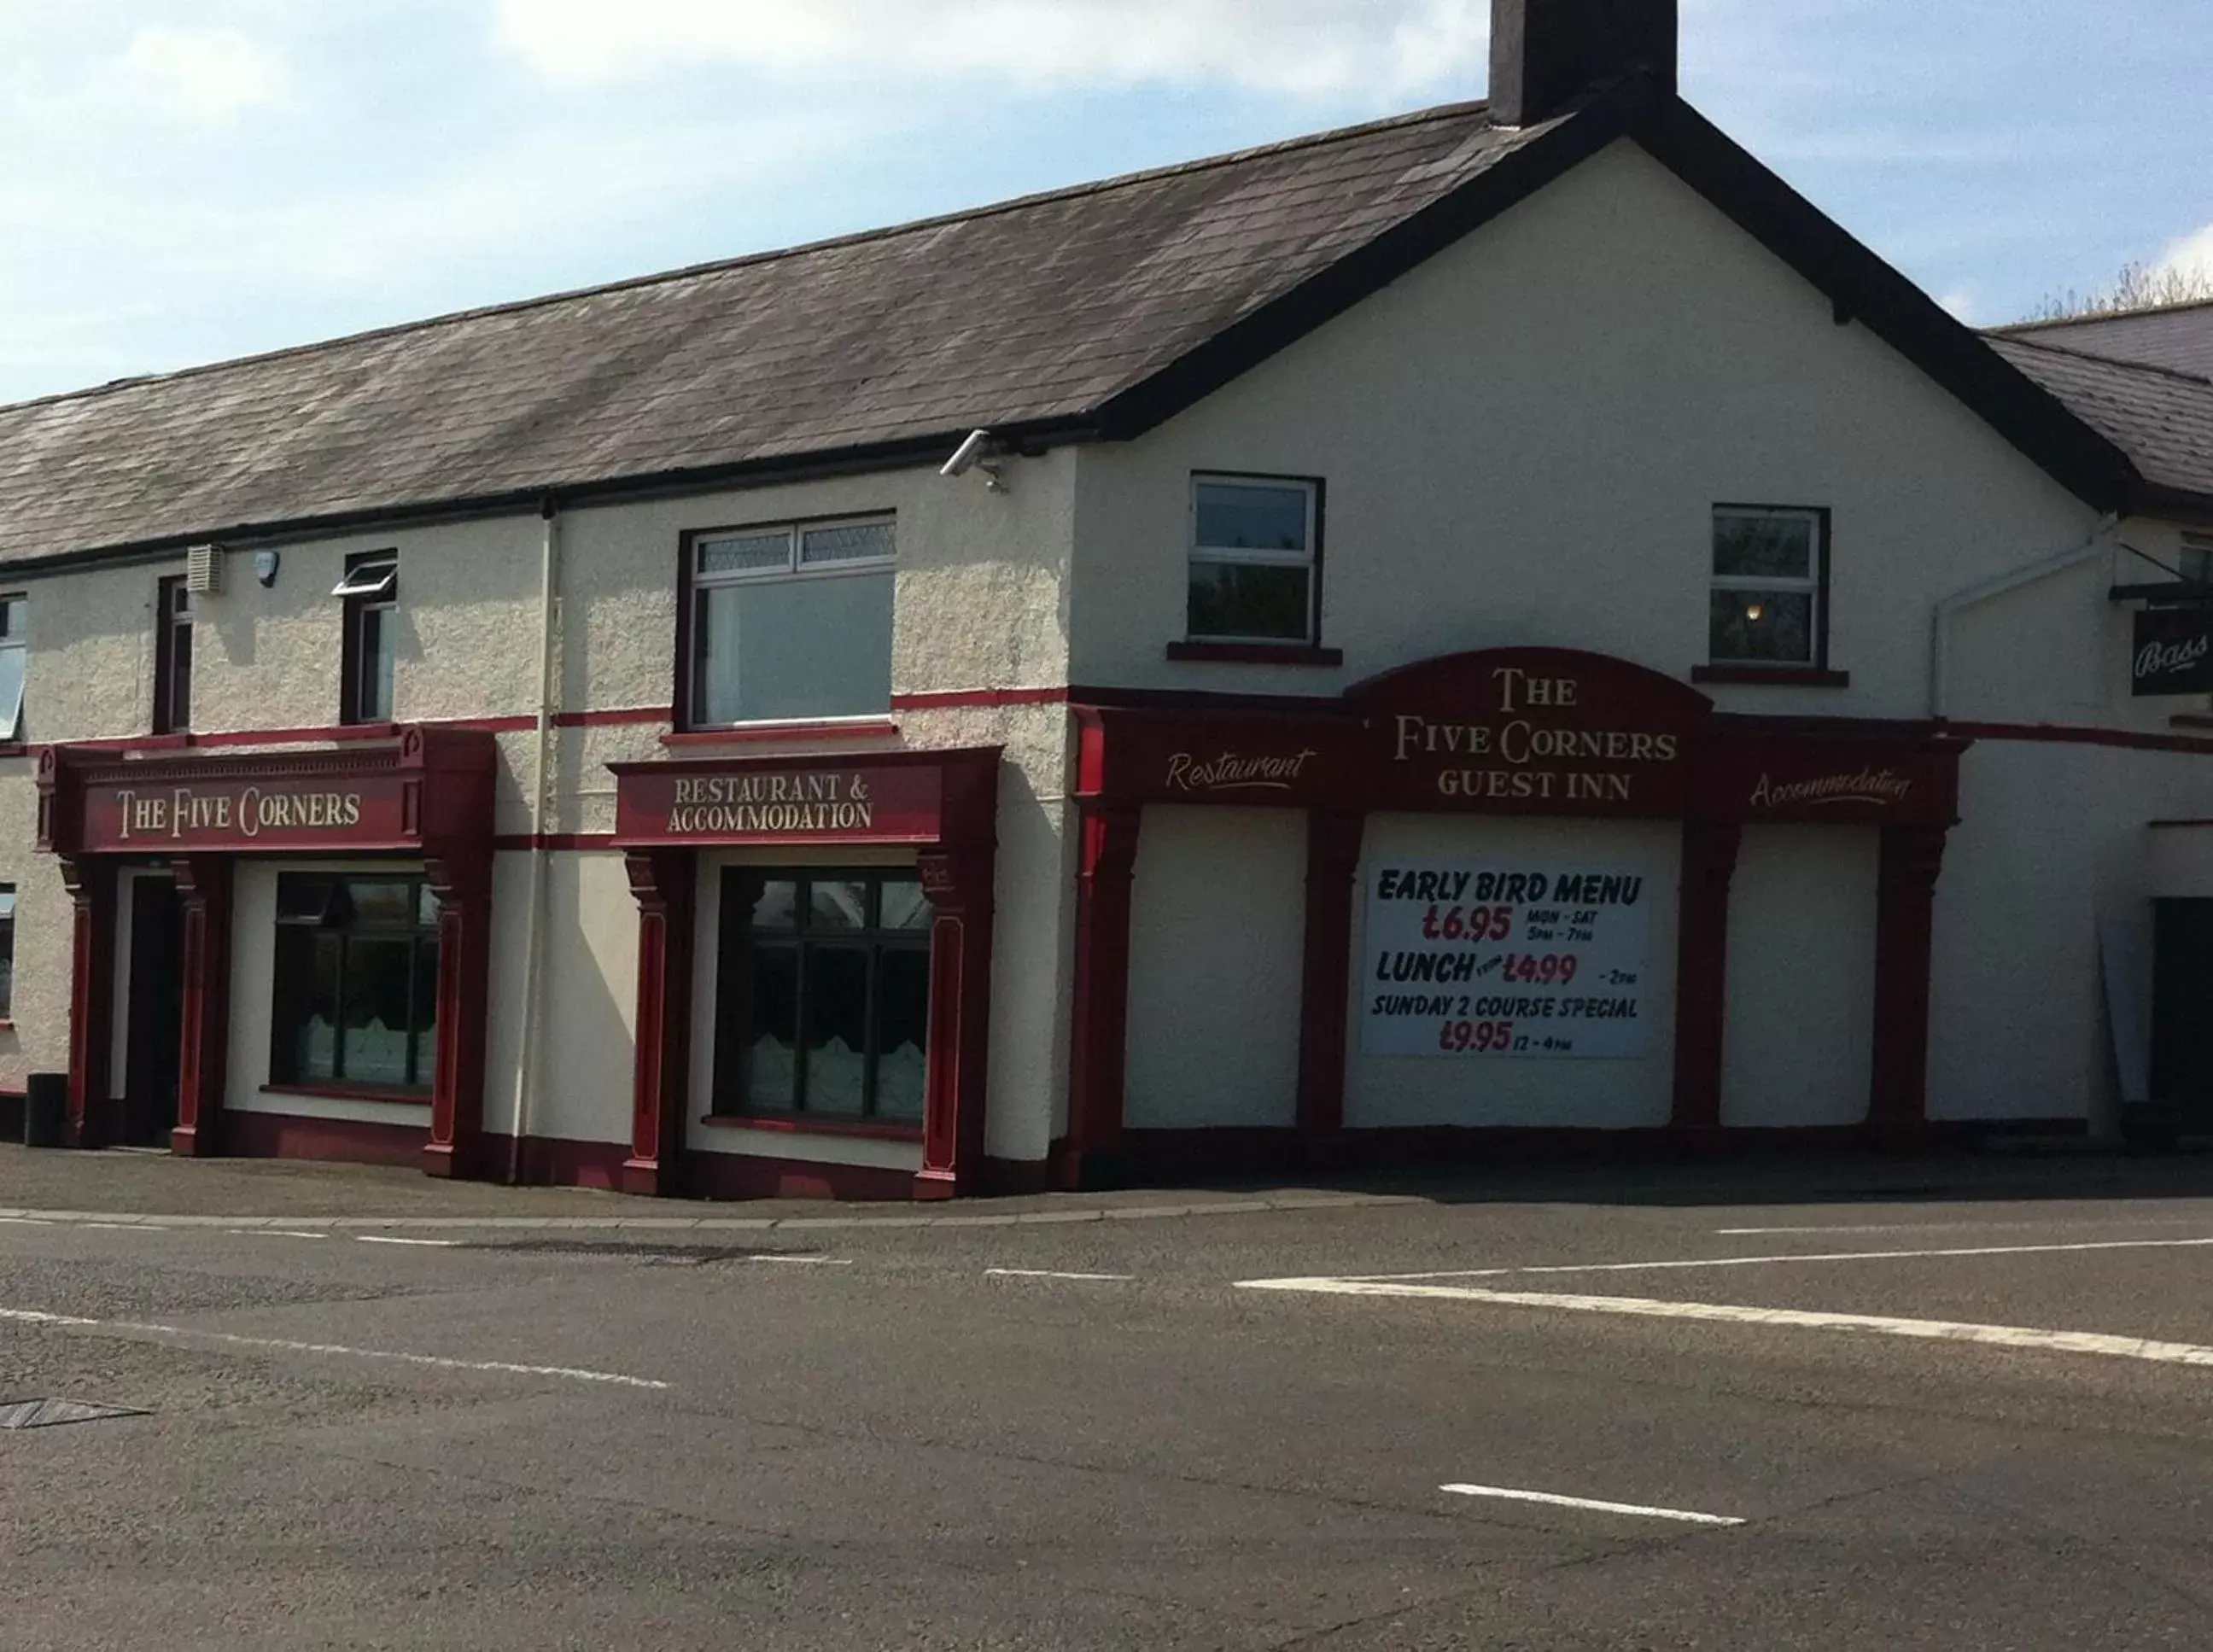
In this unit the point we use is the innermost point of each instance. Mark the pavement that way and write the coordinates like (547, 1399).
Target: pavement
(1954, 1403)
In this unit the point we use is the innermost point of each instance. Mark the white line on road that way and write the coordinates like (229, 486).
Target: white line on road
(1827, 1256)
(115, 1227)
(1048, 1273)
(186, 1334)
(25, 1222)
(274, 1233)
(1511, 1496)
(1997, 1336)
(389, 1239)
(817, 1261)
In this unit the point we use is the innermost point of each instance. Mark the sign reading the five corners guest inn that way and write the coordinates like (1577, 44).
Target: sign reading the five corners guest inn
(1496, 958)
(1532, 731)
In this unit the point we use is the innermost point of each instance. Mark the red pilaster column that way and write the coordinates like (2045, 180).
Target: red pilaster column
(958, 885)
(463, 885)
(91, 885)
(1905, 897)
(1332, 874)
(204, 885)
(1099, 1028)
(1710, 852)
(662, 882)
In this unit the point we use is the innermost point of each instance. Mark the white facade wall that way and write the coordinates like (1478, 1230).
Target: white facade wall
(1796, 1046)
(1216, 942)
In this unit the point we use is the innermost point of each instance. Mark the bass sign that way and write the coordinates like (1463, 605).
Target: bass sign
(2173, 652)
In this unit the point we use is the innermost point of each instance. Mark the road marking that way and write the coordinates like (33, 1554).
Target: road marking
(1512, 1495)
(389, 1239)
(1826, 1256)
(1996, 1336)
(186, 1334)
(25, 1222)
(114, 1226)
(817, 1261)
(1048, 1273)
(274, 1233)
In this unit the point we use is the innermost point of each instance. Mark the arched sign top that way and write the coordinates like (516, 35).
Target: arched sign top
(1534, 730)
(1514, 679)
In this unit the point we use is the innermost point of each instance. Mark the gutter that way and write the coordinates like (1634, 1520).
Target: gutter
(529, 1065)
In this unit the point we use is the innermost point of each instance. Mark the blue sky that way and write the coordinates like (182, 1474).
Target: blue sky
(183, 181)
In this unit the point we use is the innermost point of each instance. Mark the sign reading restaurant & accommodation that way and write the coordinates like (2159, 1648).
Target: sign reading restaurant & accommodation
(1510, 959)
(873, 803)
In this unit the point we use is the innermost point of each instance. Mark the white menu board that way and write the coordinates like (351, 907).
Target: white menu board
(1513, 959)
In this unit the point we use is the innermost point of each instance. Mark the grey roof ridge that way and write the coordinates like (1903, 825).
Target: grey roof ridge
(2014, 329)
(2123, 364)
(714, 266)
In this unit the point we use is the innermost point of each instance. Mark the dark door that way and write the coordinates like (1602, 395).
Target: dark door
(156, 1013)
(2182, 1011)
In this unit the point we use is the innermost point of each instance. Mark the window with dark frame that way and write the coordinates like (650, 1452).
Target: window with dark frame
(371, 592)
(173, 657)
(1252, 563)
(824, 996)
(7, 952)
(788, 620)
(355, 1002)
(1769, 600)
(14, 659)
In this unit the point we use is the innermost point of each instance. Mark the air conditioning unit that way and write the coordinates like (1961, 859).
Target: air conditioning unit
(204, 570)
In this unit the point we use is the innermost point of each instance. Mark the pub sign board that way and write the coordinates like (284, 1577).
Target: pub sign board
(2173, 652)
(336, 812)
(670, 805)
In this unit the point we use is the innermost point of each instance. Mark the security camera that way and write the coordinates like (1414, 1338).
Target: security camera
(966, 455)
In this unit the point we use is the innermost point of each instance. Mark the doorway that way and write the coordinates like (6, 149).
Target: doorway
(2182, 1012)
(154, 1014)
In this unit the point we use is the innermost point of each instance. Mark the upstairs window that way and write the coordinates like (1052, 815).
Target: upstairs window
(1769, 605)
(792, 620)
(173, 657)
(371, 592)
(2196, 564)
(355, 1002)
(1253, 545)
(6, 951)
(14, 612)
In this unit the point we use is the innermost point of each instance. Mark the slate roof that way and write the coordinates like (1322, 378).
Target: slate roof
(2161, 418)
(1036, 313)
(2177, 336)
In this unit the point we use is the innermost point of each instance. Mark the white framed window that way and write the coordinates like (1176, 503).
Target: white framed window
(789, 620)
(1769, 605)
(371, 592)
(15, 658)
(1255, 555)
(2195, 562)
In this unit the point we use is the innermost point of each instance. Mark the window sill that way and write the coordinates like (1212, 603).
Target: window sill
(2189, 719)
(14, 748)
(1257, 654)
(7, 1024)
(348, 1093)
(1773, 676)
(799, 1123)
(772, 734)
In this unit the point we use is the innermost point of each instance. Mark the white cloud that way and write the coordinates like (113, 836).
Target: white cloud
(2191, 256)
(208, 75)
(1963, 301)
(1301, 47)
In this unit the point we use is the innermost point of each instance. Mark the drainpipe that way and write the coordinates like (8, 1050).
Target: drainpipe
(1949, 607)
(541, 796)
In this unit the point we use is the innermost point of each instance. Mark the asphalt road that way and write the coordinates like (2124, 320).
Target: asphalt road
(1773, 1401)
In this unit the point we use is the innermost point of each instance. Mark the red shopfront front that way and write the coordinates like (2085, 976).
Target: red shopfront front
(843, 1001)
(1549, 733)
(151, 847)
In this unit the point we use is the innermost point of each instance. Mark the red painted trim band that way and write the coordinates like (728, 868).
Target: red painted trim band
(2065, 733)
(953, 699)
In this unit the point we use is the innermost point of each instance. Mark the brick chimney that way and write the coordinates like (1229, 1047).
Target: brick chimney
(1544, 54)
